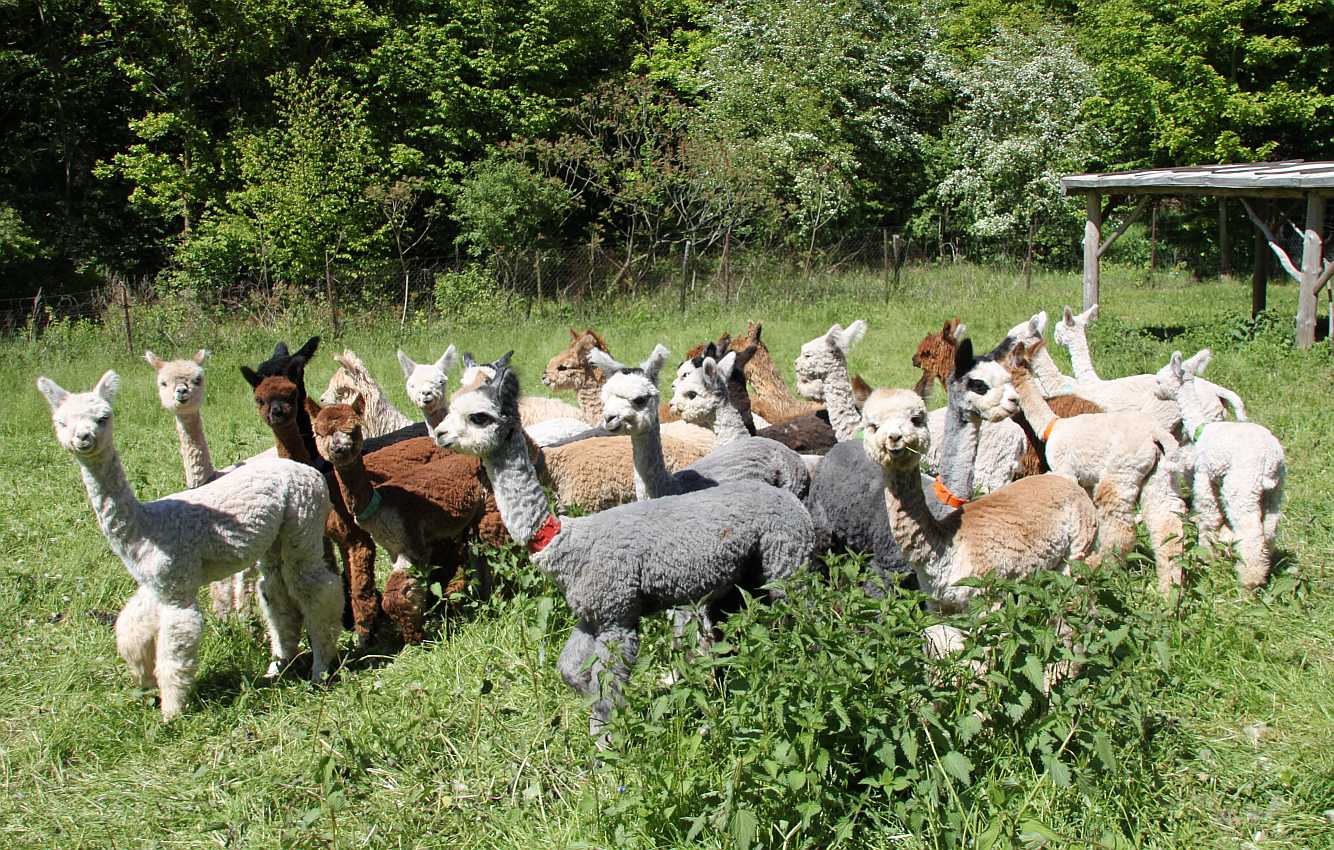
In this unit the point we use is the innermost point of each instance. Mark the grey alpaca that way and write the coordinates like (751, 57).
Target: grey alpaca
(847, 500)
(618, 565)
(630, 406)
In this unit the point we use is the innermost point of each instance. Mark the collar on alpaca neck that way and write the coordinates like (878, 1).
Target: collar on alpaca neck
(947, 498)
(1199, 432)
(544, 535)
(371, 509)
(1046, 432)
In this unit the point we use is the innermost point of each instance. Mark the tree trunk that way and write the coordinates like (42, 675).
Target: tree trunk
(331, 293)
(1153, 238)
(1028, 256)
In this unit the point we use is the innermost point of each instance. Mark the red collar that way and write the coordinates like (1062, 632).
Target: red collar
(544, 535)
(947, 498)
(1046, 432)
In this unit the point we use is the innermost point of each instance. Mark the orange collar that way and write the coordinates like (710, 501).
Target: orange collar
(544, 535)
(947, 498)
(1046, 432)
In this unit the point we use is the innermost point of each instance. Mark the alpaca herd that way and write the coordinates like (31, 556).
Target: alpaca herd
(732, 484)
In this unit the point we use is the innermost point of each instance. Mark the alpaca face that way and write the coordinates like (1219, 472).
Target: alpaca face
(895, 432)
(476, 425)
(1177, 373)
(427, 383)
(985, 392)
(1029, 332)
(630, 395)
(570, 369)
(700, 386)
(180, 383)
(277, 399)
(822, 355)
(82, 420)
(338, 435)
(1071, 326)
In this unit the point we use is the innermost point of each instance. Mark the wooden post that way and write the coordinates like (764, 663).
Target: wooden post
(899, 256)
(1260, 273)
(1153, 238)
(331, 293)
(125, 306)
(1092, 242)
(1028, 255)
(1312, 255)
(884, 255)
(1224, 241)
(685, 265)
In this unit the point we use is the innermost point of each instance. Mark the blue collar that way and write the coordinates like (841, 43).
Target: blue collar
(370, 510)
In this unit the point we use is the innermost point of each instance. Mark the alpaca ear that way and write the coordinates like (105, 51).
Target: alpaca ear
(448, 359)
(280, 350)
(1038, 323)
(153, 360)
(726, 365)
(1068, 317)
(1174, 364)
(744, 355)
(251, 377)
(1196, 364)
(709, 368)
(359, 404)
(604, 361)
(850, 336)
(725, 342)
(960, 331)
(963, 358)
(406, 363)
(653, 365)
(503, 362)
(307, 351)
(313, 407)
(200, 356)
(107, 386)
(1089, 315)
(574, 334)
(754, 330)
(469, 362)
(55, 394)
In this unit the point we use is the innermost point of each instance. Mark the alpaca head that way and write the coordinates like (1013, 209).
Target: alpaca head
(278, 398)
(822, 355)
(894, 432)
(338, 435)
(1029, 332)
(349, 380)
(180, 383)
(1178, 372)
(82, 420)
(571, 368)
(1072, 325)
(979, 387)
(483, 414)
(935, 355)
(284, 363)
(702, 385)
(427, 382)
(630, 394)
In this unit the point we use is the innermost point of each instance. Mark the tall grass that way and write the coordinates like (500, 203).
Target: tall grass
(1220, 729)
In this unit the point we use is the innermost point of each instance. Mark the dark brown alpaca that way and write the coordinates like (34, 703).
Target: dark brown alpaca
(279, 399)
(423, 504)
(935, 357)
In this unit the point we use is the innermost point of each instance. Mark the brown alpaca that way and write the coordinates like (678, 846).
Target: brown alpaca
(935, 357)
(423, 504)
(770, 396)
(279, 399)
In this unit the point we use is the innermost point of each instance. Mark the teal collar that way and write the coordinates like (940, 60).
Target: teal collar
(371, 510)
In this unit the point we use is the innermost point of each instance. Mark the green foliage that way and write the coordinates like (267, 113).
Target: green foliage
(821, 720)
(471, 295)
(16, 241)
(504, 206)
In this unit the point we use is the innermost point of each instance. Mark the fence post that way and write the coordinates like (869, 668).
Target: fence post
(36, 316)
(685, 264)
(125, 308)
(884, 257)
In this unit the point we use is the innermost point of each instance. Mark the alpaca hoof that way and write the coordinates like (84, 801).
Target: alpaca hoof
(277, 667)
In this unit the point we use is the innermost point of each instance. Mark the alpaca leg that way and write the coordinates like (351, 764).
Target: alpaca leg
(404, 601)
(243, 590)
(361, 584)
(316, 595)
(1163, 508)
(220, 595)
(1246, 516)
(179, 630)
(136, 637)
(576, 657)
(281, 615)
(1271, 501)
(1115, 499)
(616, 649)
(1208, 514)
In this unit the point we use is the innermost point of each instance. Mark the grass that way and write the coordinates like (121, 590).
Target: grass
(472, 739)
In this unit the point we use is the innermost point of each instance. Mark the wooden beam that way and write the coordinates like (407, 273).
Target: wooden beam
(1092, 240)
(1313, 255)
(1259, 275)
(1283, 259)
(1130, 219)
(1324, 277)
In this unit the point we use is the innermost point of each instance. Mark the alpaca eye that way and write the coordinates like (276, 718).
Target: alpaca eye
(562, 367)
(976, 386)
(480, 419)
(103, 419)
(919, 419)
(161, 383)
(641, 401)
(691, 395)
(197, 381)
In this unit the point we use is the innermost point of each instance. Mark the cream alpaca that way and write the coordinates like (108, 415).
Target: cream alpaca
(1036, 523)
(272, 510)
(1121, 460)
(1072, 333)
(1238, 473)
(352, 379)
(822, 375)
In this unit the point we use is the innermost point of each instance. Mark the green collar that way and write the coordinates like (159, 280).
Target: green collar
(858, 435)
(1195, 438)
(365, 515)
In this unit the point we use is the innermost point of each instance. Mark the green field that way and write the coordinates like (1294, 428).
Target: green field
(473, 740)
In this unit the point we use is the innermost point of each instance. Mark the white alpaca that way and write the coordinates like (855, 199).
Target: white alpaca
(1072, 333)
(427, 384)
(1238, 474)
(630, 406)
(1037, 523)
(822, 375)
(272, 510)
(180, 389)
(352, 379)
(1121, 460)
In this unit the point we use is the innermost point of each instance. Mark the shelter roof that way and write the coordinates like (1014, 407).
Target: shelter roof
(1290, 178)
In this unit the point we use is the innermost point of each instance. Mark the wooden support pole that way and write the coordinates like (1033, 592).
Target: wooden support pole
(1129, 220)
(1313, 246)
(1092, 242)
(1259, 274)
(1260, 225)
(1224, 241)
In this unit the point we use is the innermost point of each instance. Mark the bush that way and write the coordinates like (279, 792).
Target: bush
(470, 296)
(818, 711)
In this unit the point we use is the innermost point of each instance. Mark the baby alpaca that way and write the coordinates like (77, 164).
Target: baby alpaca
(616, 566)
(1238, 475)
(268, 509)
(1037, 523)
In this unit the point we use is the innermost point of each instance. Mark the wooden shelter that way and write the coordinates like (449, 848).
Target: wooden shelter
(1247, 182)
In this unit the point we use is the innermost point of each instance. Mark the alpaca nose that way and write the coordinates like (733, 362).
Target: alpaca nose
(182, 392)
(610, 422)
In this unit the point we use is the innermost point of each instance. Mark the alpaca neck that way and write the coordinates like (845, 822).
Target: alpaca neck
(1080, 359)
(1193, 414)
(434, 416)
(958, 451)
(194, 449)
(840, 402)
(589, 394)
(1049, 375)
(652, 480)
(288, 441)
(119, 513)
(354, 485)
(519, 495)
(1034, 405)
(728, 423)
(927, 543)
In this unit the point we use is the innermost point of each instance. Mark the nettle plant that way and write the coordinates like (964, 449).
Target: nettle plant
(821, 718)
